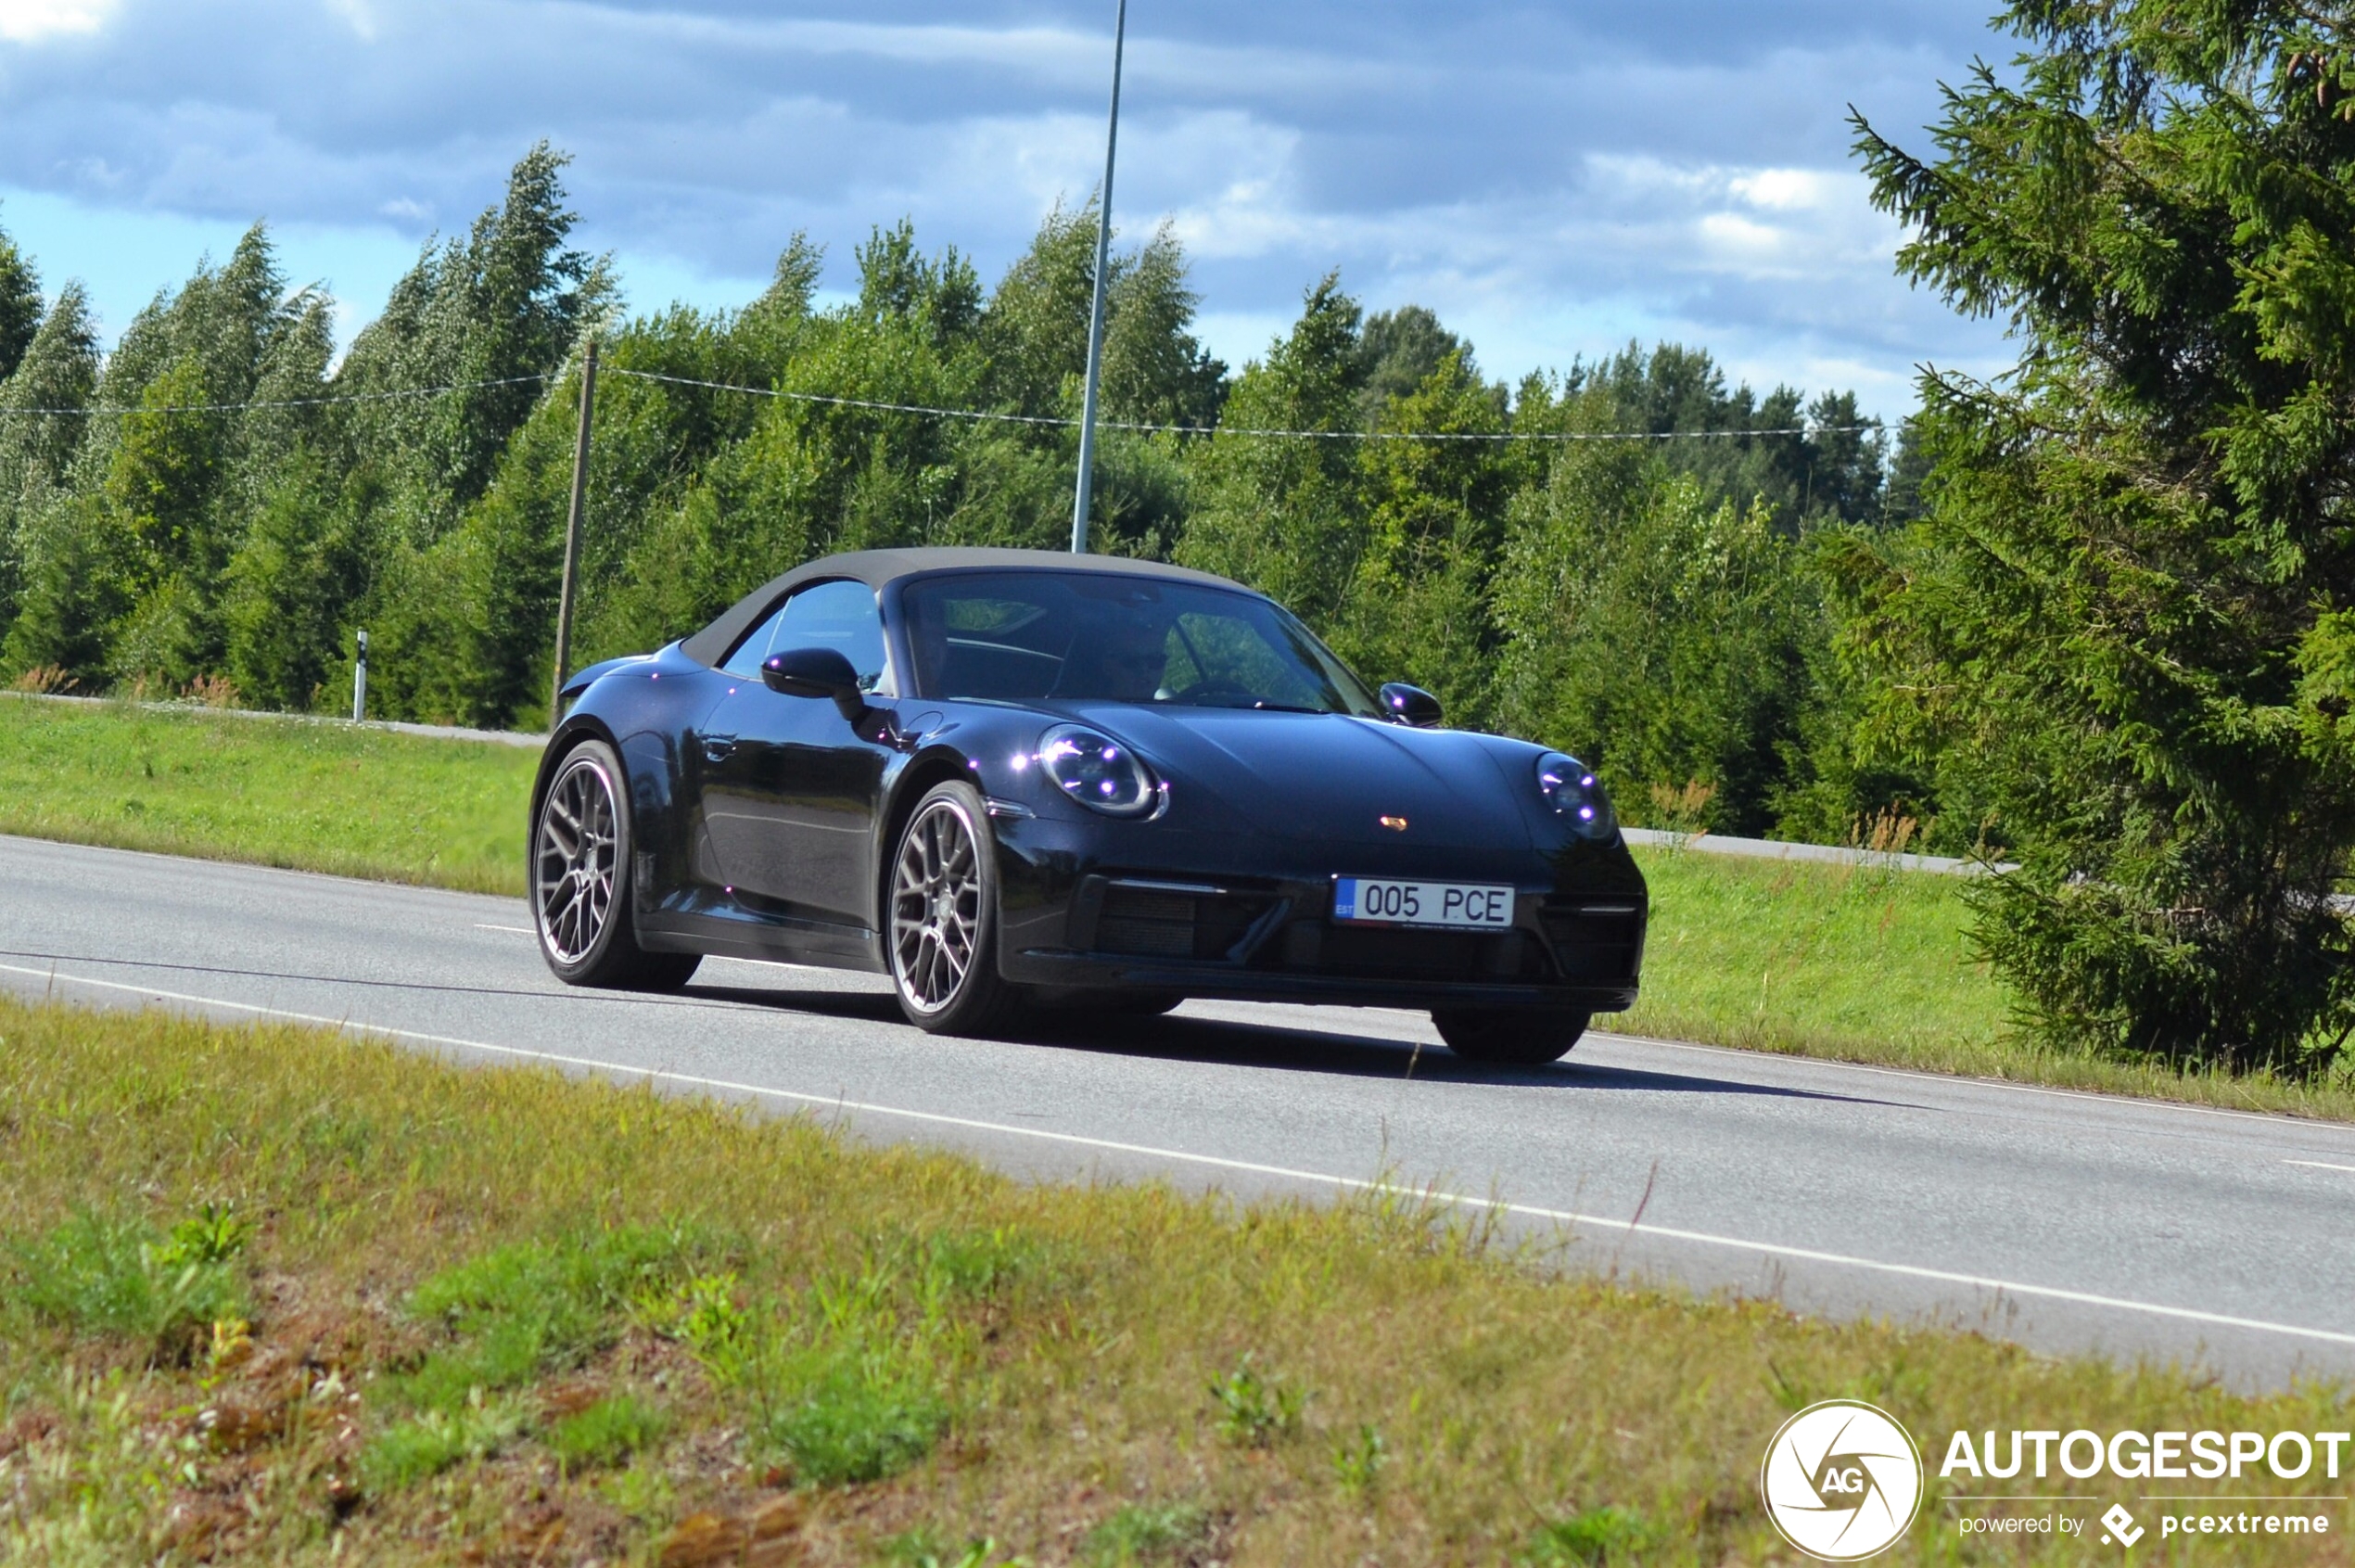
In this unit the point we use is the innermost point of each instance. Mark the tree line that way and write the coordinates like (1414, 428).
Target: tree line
(2094, 618)
(151, 539)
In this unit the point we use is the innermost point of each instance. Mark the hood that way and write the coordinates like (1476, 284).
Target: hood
(1311, 776)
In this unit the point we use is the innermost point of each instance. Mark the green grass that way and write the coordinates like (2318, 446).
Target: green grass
(1791, 955)
(1843, 961)
(1008, 1372)
(1867, 964)
(124, 1277)
(607, 1432)
(311, 797)
(1140, 1534)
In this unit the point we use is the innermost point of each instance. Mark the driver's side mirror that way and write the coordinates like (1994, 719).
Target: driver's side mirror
(1410, 705)
(816, 672)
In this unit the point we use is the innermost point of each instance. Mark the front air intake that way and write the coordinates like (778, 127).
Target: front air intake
(1138, 918)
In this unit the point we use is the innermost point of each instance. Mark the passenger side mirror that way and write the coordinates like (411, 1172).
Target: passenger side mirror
(1410, 705)
(816, 672)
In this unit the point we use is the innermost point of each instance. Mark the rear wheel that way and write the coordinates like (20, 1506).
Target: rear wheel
(580, 891)
(1503, 1036)
(944, 918)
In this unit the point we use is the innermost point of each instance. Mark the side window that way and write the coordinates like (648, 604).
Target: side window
(826, 615)
(746, 661)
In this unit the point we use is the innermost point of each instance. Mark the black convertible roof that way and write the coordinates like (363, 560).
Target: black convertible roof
(876, 568)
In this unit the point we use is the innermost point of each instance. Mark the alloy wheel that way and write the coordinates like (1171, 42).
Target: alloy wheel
(935, 907)
(574, 862)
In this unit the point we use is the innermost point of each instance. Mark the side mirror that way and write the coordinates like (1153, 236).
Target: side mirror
(816, 672)
(1410, 705)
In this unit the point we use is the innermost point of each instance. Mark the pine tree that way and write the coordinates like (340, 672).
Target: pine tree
(20, 306)
(1289, 515)
(2128, 620)
(39, 433)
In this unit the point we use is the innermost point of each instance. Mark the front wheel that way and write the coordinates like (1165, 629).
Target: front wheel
(580, 896)
(1501, 1037)
(944, 918)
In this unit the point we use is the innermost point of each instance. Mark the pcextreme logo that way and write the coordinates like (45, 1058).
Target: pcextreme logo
(1841, 1479)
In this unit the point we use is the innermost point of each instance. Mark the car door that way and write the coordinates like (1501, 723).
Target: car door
(790, 788)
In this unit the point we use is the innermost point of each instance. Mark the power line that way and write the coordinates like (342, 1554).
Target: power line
(96, 413)
(975, 416)
(1140, 428)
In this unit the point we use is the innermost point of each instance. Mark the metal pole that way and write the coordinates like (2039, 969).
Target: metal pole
(572, 532)
(1096, 323)
(360, 682)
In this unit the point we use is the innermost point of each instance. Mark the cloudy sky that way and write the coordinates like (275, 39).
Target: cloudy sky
(1553, 179)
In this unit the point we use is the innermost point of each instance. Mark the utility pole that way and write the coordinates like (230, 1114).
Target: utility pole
(572, 531)
(1096, 322)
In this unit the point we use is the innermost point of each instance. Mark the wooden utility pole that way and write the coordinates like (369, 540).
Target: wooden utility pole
(572, 532)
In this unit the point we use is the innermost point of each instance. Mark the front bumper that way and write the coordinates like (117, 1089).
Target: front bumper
(1078, 918)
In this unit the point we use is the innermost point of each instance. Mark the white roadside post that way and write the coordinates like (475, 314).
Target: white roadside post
(360, 682)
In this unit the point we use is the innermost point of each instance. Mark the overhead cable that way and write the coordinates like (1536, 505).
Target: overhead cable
(101, 412)
(975, 416)
(1140, 428)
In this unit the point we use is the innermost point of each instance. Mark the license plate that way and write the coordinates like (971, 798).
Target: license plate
(1467, 906)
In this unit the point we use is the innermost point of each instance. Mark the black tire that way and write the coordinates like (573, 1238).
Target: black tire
(940, 917)
(1502, 1036)
(580, 880)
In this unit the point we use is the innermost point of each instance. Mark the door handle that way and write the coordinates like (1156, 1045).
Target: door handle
(716, 748)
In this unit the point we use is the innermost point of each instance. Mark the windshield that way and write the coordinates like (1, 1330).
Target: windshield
(1036, 636)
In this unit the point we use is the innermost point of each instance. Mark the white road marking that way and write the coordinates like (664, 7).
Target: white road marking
(516, 930)
(2319, 1165)
(1565, 1216)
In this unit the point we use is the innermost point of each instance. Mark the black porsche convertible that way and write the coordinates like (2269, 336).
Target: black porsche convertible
(1008, 779)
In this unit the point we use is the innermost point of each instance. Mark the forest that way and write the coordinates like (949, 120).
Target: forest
(2094, 618)
(1656, 605)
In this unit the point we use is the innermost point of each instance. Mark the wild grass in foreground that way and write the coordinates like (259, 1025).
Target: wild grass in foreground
(1843, 961)
(268, 1295)
(309, 797)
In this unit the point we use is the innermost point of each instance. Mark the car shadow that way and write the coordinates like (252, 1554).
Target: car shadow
(875, 1007)
(1292, 1049)
(1280, 1047)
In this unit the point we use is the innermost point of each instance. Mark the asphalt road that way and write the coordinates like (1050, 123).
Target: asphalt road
(2068, 1221)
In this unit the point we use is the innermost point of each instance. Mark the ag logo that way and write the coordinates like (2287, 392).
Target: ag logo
(1841, 1481)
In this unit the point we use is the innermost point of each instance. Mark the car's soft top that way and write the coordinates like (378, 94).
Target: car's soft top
(877, 567)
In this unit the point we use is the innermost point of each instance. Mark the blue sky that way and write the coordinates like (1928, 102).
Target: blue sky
(1552, 179)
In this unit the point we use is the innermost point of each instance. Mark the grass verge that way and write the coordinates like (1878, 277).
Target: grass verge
(307, 797)
(501, 1317)
(1861, 964)
(1842, 961)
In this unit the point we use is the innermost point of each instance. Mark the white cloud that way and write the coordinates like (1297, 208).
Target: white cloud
(1552, 180)
(359, 16)
(1788, 190)
(27, 22)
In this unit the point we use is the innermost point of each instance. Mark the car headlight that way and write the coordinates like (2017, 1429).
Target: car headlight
(1098, 772)
(1571, 789)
